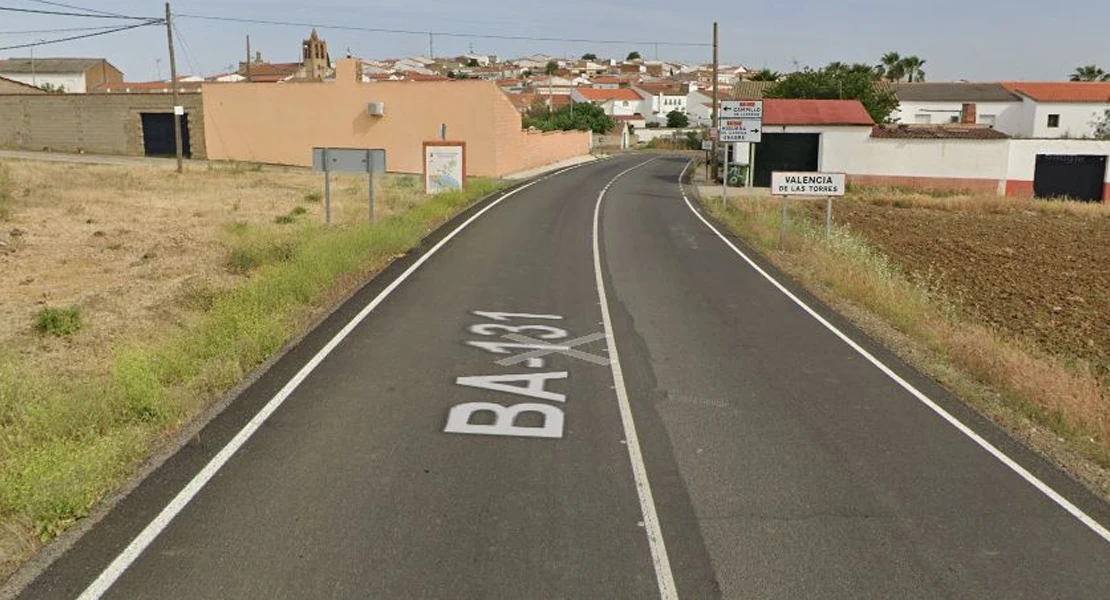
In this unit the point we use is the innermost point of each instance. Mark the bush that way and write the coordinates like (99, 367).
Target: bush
(59, 322)
(313, 197)
(653, 125)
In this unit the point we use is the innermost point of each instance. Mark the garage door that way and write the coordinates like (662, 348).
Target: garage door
(1079, 177)
(785, 152)
(158, 134)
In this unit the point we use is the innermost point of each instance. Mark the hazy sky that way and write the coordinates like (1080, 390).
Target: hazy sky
(960, 39)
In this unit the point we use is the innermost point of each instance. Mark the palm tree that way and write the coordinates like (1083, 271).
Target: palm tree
(911, 66)
(891, 67)
(836, 68)
(766, 75)
(1090, 73)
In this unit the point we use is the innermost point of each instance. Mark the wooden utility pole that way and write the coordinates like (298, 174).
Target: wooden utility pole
(173, 86)
(248, 58)
(716, 105)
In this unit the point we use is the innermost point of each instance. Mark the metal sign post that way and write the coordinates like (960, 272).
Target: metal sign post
(347, 160)
(724, 179)
(828, 216)
(782, 224)
(327, 190)
(826, 185)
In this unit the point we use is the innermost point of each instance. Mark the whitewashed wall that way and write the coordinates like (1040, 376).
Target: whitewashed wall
(1022, 160)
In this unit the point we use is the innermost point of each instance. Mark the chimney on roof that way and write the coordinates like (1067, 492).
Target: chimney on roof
(968, 114)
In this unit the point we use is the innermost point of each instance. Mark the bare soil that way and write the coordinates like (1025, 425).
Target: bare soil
(130, 245)
(1039, 276)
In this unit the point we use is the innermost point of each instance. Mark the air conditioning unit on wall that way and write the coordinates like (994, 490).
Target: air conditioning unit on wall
(376, 109)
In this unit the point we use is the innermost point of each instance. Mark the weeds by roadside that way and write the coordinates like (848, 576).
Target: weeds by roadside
(6, 193)
(58, 322)
(1065, 396)
(67, 442)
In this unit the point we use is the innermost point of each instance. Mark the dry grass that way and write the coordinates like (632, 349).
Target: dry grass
(183, 284)
(1064, 395)
(975, 204)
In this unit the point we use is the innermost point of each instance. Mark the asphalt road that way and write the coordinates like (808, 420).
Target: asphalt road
(737, 449)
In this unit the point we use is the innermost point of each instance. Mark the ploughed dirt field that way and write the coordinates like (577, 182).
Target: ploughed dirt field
(1030, 268)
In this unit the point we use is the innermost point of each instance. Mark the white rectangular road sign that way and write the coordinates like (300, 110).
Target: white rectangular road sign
(741, 130)
(789, 183)
(742, 109)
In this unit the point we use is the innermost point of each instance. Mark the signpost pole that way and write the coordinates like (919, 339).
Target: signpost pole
(782, 225)
(371, 195)
(828, 216)
(327, 189)
(751, 166)
(724, 180)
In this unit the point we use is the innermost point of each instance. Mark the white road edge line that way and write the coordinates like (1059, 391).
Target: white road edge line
(147, 536)
(663, 575)
(1044, 488)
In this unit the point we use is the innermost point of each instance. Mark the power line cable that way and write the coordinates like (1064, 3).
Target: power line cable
(72, 7)
(56, 13)
(436, 33)
(81, 37)
(188, 51)
(62, 30)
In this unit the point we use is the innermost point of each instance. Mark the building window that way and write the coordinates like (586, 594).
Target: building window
(1053, 121)
(987, 120)
(954, 119)
(922, 119)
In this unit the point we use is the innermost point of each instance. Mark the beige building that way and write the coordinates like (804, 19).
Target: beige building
(70, 75)
(11, 86)
(281, 124)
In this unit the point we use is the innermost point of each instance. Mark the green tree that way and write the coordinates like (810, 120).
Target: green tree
(53, 89)
(589, 56)
(677, 119)
(634, 55)
(855, 82)
(891, 67)
(551, 68)
(585, 117)
(766, 75)
(472, 62)
(1090, 73)
(911, 66)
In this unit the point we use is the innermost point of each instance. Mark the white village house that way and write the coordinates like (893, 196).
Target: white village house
(1018, 109)
(73, 75)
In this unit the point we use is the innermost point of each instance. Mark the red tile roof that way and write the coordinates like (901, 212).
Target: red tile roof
(603, 95)
(1069, 91)
(937, 132)
(815, 112)
(421, 77)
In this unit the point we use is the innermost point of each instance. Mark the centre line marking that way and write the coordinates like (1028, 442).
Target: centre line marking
(663, 575)
(146, 537)
(1024, 473)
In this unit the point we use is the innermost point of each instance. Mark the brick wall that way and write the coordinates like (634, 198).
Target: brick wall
(280, 124)
(92, 123)
(7, 86)
(519, 150)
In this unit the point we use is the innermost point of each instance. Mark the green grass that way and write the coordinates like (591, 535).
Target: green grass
(58, 322)
(6, 193)
(66, 442)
